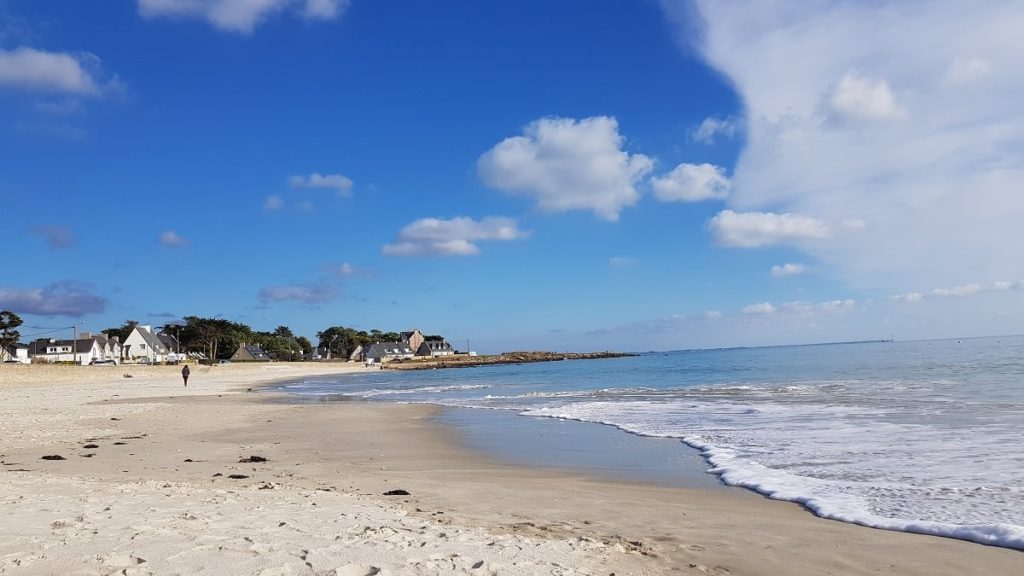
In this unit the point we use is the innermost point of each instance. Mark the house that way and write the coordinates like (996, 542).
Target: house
(144, 346)
(15, 353)
(109, 346)
(81, 351)
(250, 353)
(382, 351)
(174, 353)
(356, 355)
(433, 348)
(413, 338)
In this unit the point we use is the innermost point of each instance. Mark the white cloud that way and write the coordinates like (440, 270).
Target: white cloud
(712, 127)
(622, 262)
(692, 183)
(340, 184)
(240, 15)
(837, 305)
(324, 9)
(342, 270)
(944, 180)
(31, 69)
(566, 164)
(755, 229)
(907, 297)
(959, 291)
(787, 270)
(860, 98)
(304, 293)
(171, 239)
(759, 308)
(712, 315)
(273, 203)
(454, 237)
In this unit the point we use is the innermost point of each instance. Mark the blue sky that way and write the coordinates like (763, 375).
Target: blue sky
(572, 175)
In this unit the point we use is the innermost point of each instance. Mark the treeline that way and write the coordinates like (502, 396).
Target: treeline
(218, 338)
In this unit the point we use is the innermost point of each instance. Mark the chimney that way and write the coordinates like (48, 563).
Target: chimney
(84, 335)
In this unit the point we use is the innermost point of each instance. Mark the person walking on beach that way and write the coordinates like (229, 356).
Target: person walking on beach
(184, 374)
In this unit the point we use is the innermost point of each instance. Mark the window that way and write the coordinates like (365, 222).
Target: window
(142, 346)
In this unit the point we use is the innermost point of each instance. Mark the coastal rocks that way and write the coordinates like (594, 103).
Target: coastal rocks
(53, 457)
(251, 459)
(398, 492)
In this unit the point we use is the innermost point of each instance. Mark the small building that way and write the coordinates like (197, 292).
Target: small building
(250, 353)
(432, 348)
(413, 338)
(15, 353)
(382, 351)
(144, 346)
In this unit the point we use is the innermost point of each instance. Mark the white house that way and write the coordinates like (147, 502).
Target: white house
(83, 351)
(15, 353)
(143, 346)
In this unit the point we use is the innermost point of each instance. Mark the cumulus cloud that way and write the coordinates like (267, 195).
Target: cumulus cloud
(907, 297)
(57, 237)
(273, 203)
(317, 293)
(692, 183)
(860, 98)
(453, 237)
(759, 308)
(711, 127)
(756, 229)
(38, 70)
(171, 239)
(340, 184)
(787, 270)
(959, 291)
(241, 16)
(67, 298)
(565, 164)
(875, 112)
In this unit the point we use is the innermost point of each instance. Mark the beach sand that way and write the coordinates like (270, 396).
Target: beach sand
(146, 488)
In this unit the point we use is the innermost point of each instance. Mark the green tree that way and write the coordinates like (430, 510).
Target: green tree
(9, 335)
(306, 345)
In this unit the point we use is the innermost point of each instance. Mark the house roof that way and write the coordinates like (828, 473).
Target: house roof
(151, 340)
(168, 340)
(407, 335)
(382, 349)
(250, 352)
(39, 346)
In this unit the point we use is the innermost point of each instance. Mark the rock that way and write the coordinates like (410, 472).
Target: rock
(217, 474)
(53, 457)
(189, 460)
(398, 492)
(90, 446)
(252, 459)
(119, 443)
(237, 476)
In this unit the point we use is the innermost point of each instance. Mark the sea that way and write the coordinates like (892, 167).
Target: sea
(916, 436)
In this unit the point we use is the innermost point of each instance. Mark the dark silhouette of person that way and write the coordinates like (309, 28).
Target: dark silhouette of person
(184, 374)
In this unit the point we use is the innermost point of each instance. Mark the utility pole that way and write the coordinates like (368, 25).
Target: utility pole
(74, 342)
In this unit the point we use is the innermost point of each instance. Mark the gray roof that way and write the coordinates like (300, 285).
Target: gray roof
(386, 349)
(39, 346)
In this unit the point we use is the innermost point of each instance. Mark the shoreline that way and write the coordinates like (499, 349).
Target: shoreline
(327, 462)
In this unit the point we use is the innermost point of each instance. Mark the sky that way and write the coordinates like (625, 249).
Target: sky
(575, 175)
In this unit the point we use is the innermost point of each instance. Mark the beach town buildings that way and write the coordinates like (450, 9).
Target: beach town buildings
(250, 353)
(434, 348)
(413, 338)
(381, 351)
(81, 351)
(15, 353)
(143, 346)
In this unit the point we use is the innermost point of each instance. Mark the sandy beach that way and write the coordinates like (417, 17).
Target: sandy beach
(156, 478)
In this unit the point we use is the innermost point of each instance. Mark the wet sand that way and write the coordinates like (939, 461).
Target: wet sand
(146, 488)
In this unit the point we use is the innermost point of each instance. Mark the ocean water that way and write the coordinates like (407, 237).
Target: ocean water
(923, 436)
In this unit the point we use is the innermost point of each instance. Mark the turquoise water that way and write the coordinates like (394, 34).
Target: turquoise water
(916, 436)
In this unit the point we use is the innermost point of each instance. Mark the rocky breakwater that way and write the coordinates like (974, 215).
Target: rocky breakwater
(466, 361)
